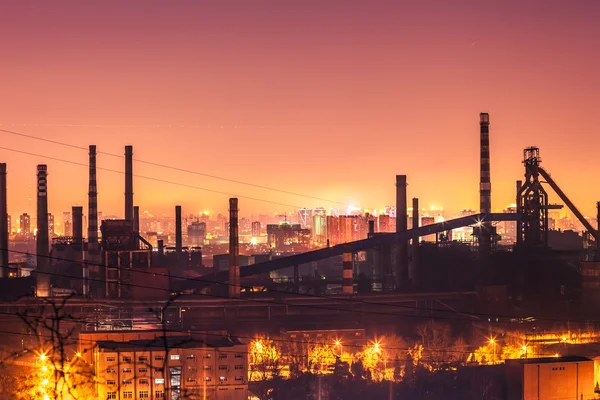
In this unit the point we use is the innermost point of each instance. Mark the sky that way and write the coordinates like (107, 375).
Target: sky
(328, 99)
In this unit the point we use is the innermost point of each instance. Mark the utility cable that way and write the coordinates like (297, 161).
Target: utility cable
(180, 169)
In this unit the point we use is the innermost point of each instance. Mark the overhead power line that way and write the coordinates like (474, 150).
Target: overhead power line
(254, 185)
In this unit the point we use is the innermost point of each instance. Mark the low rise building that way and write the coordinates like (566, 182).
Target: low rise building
(172, 367)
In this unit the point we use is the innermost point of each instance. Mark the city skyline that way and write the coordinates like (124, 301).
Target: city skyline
(352, 102)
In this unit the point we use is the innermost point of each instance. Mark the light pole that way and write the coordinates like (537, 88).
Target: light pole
(525, 350)
(493, 343)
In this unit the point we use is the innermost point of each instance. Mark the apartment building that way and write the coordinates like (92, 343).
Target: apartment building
(174, 368)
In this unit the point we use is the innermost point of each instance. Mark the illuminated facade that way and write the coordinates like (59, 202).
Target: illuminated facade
(174, 367)
(319, 230)
(50, 225)
(286, 236)
(196, 233)
(256, 229)
(25, 225)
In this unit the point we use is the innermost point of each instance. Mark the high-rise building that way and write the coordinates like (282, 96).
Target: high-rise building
(428, 221)
(286, 236)
(25, 225)
(256, 229)
(319, 230)
(50, 225)
(196, 233)
(67, 224)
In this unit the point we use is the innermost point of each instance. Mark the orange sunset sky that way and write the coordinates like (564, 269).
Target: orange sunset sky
(330, 99)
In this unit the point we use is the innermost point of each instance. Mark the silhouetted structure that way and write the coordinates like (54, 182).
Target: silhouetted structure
(3, 223)
(42, 242)
(234, 250)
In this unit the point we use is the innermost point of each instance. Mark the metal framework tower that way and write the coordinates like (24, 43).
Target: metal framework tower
(532, 202)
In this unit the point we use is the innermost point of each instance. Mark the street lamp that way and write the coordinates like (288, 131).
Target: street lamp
(493, 343)
(338, 344)
(525, 350)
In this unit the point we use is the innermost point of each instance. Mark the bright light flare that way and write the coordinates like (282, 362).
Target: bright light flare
(338, 343)
(556, 355)
(78, 354)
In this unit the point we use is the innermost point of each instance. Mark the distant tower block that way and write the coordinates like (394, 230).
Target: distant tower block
(42, 242)
(414, 265)
(485, 186)
(234, 250)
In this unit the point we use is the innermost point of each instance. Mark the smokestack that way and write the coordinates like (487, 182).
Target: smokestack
(161, 247)
(77, 212)
(519, 210)
(485, 186)
(348, 280)
(401, 225)
(414, 272)
(42, 243)
(3, 223)
(178, 235)
(371, 228)
(234, 250)
(136, 225)
(93, 203)
(129, 183)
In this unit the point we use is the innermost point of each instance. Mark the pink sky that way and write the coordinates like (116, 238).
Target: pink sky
(327, 98)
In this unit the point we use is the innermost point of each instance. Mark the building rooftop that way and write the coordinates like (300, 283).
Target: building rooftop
(548, 360)
(171, 342)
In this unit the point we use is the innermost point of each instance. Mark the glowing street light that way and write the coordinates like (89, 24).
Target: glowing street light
(78, 354)
(493, 343)
(556, 355)
(525, 350)
(42, 357)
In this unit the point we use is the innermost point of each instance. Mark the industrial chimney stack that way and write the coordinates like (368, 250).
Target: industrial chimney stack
(3, 223)
(234, 250)
(401, 226)
(93, 203)
(178, 235)
(129, 183)
(485, 186)
(42, 244)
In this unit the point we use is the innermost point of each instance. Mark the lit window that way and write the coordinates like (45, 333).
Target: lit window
(110, 370)
(191, 380)
(126, 381)
(174, 356)
(208, 355)
(111, 395)
(190, 357)
(159, 381)
(208, 379)
(126, 370)
(222, 379)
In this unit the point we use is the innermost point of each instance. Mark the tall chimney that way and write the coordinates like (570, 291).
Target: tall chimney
(234, 250)
(42, 243)
(485, 186)
(129, 183)
(178, 234)
(93, 203)
(77, 213)
(401, 225)
(136, 225)
(414, 265)
(519, 229)
(3, 223)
